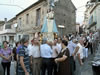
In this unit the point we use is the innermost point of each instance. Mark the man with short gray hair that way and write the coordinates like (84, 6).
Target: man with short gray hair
(46, 54)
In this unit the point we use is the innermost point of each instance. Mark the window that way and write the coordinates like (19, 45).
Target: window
(38, 14)
(27, 18)
(19, 21)
(8, 27)
(19, 37)
(26, 36)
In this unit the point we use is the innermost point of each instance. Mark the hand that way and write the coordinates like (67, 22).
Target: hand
(56, 61)
(31, 62)
(26, 73)
(12, 54)
(81, 64)
(73, 55)
(8, 58)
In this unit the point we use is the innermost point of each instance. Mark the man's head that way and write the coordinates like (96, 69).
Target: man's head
(50, 43)
(44, 41)
(36, 41)
(59, 40)
(55, 42)
(25, 41)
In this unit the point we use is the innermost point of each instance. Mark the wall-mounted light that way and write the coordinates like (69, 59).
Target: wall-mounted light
(61, 26)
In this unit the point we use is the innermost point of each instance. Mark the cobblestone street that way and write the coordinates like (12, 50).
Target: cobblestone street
(87, 68)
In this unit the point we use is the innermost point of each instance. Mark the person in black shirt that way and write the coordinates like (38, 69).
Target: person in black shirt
(86, 45)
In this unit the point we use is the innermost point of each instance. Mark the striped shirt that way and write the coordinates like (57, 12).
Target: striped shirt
(24, 52)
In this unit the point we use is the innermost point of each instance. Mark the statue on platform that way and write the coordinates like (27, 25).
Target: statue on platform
(49, 26)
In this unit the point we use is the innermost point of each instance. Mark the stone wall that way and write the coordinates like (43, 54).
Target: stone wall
(65, 15)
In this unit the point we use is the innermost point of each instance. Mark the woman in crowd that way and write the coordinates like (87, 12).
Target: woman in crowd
(86, 48)
(6, 54)
(16, 56)
(63, 60)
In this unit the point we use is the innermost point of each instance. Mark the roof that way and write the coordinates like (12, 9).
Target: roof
(2, 23)
(94, 7)
(93, 0)
(30, 7)
(73, 5)
(11, 20)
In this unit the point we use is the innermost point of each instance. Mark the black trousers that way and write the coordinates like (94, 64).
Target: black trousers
(91, 48)
(6, 65)
(54, 66)
(72, 65)
(46, 66)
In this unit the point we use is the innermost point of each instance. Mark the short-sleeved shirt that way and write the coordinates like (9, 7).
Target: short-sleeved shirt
(24, 52)
(55, 51)
(71, 46)
(17, 51)
(80, 51)
(34, 51)
(46, 51)
(6, 53)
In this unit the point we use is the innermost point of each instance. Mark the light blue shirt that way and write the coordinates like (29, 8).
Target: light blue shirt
(46, 51)
(71, 46)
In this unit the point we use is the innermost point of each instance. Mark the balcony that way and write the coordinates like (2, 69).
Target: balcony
(93, 0)
(8, 29)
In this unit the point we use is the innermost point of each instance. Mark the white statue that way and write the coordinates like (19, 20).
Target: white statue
(50, 21)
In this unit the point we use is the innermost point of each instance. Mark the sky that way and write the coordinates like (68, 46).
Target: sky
(10, 11)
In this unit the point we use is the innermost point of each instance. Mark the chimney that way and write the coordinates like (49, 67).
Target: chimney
(5, 19)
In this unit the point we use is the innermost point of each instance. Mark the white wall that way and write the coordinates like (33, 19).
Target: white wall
(98, 16)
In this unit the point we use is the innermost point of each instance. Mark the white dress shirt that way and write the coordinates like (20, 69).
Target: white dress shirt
(55, 51)
(59, 46)
(80, 51)
(34, 51)
(46, 51)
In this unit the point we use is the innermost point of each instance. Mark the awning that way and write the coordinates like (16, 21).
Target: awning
(91, 25)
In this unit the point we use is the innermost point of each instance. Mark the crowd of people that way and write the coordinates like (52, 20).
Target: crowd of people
(63, 56)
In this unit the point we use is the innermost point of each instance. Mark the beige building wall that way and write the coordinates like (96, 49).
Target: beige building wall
(31, 28)
(64, 12)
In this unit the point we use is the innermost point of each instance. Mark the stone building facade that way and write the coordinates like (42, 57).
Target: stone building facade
(31, 19)
(8, 31)
(92, 17)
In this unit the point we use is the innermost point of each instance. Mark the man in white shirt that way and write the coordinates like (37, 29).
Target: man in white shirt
(34, 52)
(71, 46)
(59, 44)
(79, 56)
(46, 54)
(55, 53)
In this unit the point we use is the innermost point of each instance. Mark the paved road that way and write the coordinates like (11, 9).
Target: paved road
(87, 68)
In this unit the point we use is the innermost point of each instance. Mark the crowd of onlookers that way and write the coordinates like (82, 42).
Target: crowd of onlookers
(63, 56)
